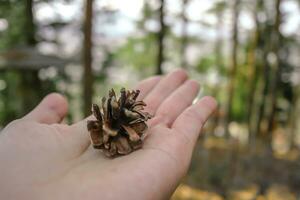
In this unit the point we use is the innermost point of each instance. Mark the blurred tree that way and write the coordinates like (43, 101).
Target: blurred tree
(272, 70)
(160, 38)
(264, 80)
(87, 58)
(184, 37)
(29, 28)
(253, 67)
(276, 66)
(30, 96)
(218, 9)
(294, 116)
(233, 67)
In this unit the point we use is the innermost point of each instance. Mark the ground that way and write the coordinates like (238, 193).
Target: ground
(228, 171)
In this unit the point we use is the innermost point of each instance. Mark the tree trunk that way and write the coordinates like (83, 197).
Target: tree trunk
(265, 82)
(294, 116)
(29, 28)
(233, 69)
(266, 45)
(87, 58)
(219, 63)
(184, 39)
(253, 75)
(160, 37)
(30, 96)
(277, 69)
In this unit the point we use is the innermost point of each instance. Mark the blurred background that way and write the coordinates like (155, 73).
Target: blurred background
(245, 53)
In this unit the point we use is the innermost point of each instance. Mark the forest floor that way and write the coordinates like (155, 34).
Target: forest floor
(228, 171)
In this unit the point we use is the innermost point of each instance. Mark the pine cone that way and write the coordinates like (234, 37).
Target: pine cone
(120, 124)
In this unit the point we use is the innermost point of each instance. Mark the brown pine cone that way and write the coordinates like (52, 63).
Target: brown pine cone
(120, 124)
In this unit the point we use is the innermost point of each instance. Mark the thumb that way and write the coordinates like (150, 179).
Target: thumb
(52, 109)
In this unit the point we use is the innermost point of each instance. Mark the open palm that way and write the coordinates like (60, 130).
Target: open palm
(44, 159)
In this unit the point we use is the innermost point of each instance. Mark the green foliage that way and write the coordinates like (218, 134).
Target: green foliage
(138, 52)
(205, 64)
(148, 13)
(9, 107)
(21, 89)
(218, 7)
(11, 104)
(240, 102)
(209, 62)
(13, 12)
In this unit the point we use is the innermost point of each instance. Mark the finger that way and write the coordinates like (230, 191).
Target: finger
(178, 101)
(79, 129)
(190, 122)
(80, 139)
(52, 109)
(179, 141)
(163, 89)
(147, 85)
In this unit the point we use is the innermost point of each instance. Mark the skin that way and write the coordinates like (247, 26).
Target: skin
(42, 158)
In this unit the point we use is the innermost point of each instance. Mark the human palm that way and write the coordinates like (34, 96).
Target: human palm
(41, 158)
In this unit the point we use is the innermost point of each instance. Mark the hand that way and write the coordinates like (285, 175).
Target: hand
(41, 158)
